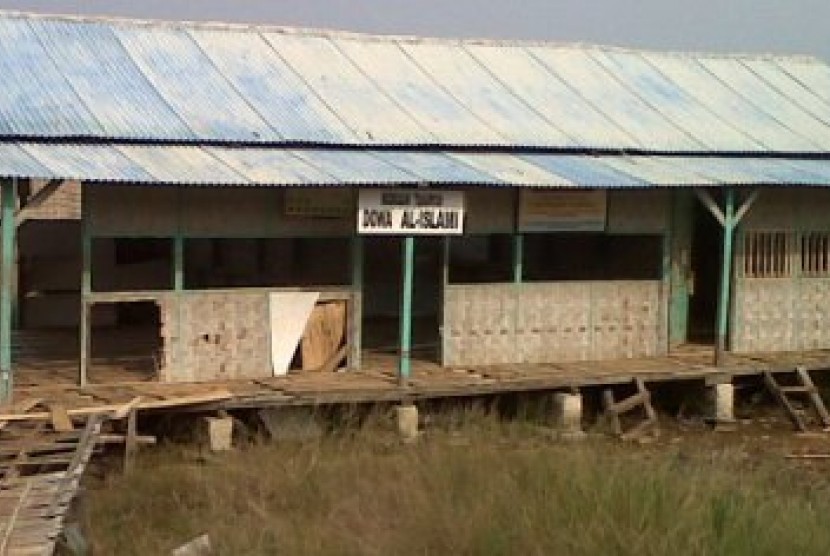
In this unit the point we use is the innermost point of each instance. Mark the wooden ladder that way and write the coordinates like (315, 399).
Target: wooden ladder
(804, 389)
(642, 398)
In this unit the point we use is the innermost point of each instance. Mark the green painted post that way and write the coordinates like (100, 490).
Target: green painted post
(665, 286)
(357, 303)
(518, 258)
(178, 262)
(8, 231)
(86, 287)
(178, 281)
(408, 264)
(681, 247)
(726, 273)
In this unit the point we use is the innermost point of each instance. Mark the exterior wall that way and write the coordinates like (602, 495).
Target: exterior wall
(222, 335)
(215, 336)
(549, 322)
(782, 314)
(121, 210)
(790, 311)
(638, 211)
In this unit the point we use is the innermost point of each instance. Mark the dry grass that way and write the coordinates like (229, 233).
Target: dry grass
(492, 489)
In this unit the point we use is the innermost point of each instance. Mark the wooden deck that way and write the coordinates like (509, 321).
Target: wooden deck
(40, 474)
(377, 381)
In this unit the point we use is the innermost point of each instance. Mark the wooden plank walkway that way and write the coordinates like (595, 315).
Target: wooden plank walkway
(377, 381)
(41, 468)
(40, 474)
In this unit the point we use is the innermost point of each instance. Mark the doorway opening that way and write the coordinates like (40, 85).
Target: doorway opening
(382, 276)
(707, 246)
(125, 342)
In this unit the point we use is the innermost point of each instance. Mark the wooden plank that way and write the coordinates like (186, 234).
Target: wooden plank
(130, 441)
(613, 417)
(629, 403)
(127, 410)
(59, 418)
(815, 397)
(774, 388)
(195, 399)
(650, 412)
(323, 335)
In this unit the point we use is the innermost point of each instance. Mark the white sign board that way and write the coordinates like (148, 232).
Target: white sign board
(410, 212)
(562, 210)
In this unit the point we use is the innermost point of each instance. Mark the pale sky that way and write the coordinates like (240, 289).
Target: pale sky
(774, 26)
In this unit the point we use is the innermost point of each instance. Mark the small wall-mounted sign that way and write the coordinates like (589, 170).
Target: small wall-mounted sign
(319, 202)
(410, 212)
(562, 210)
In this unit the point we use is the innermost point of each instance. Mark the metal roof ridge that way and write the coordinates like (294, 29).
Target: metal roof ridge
(342, 34)
(426, 149)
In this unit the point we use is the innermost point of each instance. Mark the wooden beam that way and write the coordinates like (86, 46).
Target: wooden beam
(37, 200)
(710, 204)
(746, 205)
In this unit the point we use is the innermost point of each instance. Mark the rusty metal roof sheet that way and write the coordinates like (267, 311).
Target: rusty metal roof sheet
(188, 83)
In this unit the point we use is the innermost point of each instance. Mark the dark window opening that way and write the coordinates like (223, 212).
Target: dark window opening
(141, 250)
(132, 264)
(815, 254)
(298, 262)
(767, 254)
(481, 259)
(580, 257)
(126, 343)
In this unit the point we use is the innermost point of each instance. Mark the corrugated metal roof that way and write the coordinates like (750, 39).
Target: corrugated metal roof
(267, 166)
(208, 83)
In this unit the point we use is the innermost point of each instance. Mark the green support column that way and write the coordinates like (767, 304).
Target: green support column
(178, 263)
(665, 287)
(9, 232)
(356, 318)
(408, 266)
(726, 273)
(518, 258)
(178, 282)
(681, 249)
(86, 287)
(444, 282)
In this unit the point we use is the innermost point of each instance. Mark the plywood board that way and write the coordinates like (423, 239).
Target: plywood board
(289, 313)
(324, 334)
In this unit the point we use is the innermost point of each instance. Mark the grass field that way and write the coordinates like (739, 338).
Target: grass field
(488, 488)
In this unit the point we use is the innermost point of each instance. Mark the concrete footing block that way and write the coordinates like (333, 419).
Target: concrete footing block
(567, 416)
(219, 433)
(721, 405)
(407, 421)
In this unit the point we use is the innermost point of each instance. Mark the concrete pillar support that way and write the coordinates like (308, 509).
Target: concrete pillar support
(407, 419)
(219, 433)
(567, 408)
(721, 404)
